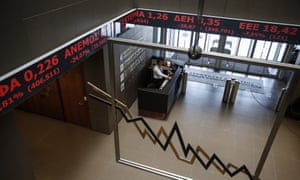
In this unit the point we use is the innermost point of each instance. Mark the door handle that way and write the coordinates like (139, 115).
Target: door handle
(82, 102)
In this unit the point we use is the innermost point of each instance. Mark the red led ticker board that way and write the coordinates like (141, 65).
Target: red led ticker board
(20, 86)
(216, 25)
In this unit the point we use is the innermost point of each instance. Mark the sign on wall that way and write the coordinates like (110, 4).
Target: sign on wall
(217, 25)
(22, 85)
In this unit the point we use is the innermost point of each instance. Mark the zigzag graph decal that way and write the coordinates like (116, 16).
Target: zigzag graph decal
(155, 138)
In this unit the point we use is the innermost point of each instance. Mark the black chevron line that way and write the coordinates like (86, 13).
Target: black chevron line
(186, 148)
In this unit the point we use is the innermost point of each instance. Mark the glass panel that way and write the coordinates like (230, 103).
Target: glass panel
(158, 35)
(227, 65)
(209, 62)
(273, 51)
(107, 30)
(232, 44)
(272, 71)
(240, 67)
(177, 37)
(129, 25)
(277, 51)
(117, 28)
(282, 51)
(212, 42)
(176, 33)
(261, 49)
(245, 47)
(184, 39)
(172, 38)
(256, 69)
(202, 40)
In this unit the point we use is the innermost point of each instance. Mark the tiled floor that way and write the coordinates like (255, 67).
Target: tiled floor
(236, 134)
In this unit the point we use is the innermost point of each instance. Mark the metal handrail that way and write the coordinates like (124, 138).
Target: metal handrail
(279, 118)
(215, 55)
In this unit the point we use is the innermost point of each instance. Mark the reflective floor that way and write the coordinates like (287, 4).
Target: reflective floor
(235, 133)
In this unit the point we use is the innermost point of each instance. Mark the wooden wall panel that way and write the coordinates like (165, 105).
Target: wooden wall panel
(73, 93)
(46, 102)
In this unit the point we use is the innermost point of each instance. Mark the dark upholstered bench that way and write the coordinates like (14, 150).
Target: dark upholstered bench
(157, 103)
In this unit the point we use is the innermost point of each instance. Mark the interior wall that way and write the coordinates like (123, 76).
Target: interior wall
(15, 163)
(134, 65)
(262, 10)
(32, 28)
(188, 6)
(96, 71)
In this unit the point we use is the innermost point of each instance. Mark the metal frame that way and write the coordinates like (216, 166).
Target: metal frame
(153, 170)
(275, 127)
(116, 129)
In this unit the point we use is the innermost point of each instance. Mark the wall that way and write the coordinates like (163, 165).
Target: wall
(14, 164)
(32, 28)
(134, 61)
(96, 71)
(263, 10)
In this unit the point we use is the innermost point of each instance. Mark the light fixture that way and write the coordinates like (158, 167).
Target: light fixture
(195, 51)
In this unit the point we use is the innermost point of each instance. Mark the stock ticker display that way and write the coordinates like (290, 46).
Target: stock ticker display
(216, 25)
(19, 86)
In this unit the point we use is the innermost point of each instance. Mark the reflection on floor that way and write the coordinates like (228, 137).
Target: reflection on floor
(220, 78)
(236, 133)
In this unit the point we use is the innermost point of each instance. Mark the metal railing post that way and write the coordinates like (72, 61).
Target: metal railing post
(113, 94)
(279, 117)
(278, 120)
